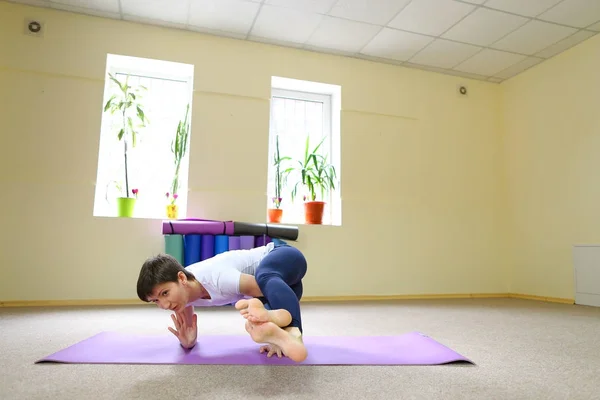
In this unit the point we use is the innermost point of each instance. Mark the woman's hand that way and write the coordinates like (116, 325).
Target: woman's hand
(186, 328)
(271, 349)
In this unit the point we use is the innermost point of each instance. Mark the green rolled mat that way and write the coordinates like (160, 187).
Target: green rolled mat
(174, 247)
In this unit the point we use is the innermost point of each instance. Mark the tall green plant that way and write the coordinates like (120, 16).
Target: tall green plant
(316, 173)
(127, 104)
(179, 147)
(280, 175)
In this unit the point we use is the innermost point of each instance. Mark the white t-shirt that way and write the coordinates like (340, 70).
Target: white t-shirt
(220, 275)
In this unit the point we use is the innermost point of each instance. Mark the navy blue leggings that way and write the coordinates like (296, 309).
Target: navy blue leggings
(279, 277)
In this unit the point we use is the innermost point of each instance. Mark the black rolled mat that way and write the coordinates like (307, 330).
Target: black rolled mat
(271, 230)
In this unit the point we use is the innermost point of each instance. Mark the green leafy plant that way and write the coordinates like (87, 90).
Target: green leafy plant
(179, 147)
(316, 173)
(280, 175)
(127, 104)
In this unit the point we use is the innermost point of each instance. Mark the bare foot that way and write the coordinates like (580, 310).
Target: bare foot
(268, 332)
(254, 311)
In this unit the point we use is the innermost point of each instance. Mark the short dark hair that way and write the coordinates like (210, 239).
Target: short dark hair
(156, 270)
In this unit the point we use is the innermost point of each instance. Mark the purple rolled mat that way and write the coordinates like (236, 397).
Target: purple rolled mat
(234, 242)
(197, 226)
(246, 242)
(207, 249)
(261, 240)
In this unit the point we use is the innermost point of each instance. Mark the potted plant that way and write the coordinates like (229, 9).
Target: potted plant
(178, 148)
(317, 175)
(127, 104)
(275, 214)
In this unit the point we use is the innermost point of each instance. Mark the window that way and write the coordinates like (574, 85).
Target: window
(302, 110)
(164, 93)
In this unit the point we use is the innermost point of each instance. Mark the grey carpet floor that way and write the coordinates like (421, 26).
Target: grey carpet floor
(523, 350)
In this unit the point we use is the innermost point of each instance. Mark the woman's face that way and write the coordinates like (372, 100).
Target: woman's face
(171, 295)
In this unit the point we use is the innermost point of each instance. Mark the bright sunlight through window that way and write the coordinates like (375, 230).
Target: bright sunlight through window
(143, 154)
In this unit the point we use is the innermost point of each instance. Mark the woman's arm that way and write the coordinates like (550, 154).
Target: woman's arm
(249, 287)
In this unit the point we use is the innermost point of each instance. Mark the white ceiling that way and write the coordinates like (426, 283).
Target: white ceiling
(484, 39)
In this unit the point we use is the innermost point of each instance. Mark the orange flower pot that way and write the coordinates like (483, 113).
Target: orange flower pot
(313, 212)
(275, 214)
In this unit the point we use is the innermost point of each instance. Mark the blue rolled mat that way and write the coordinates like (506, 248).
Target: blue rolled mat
(191, 249)
(234, 242)
(221, 244)
(174, 246)
(246, 242)
(208, 247)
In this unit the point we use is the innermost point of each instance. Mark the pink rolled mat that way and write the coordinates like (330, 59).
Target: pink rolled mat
(121, 348)
(199, 226)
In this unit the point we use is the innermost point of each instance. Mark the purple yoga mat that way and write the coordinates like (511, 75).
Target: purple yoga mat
(246, 242)
(120, 348)
(234, 242)
(198, 226)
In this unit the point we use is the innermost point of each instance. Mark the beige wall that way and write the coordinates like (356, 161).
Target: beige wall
(423, 205)
(552, 153)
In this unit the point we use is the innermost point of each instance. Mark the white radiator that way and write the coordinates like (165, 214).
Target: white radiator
(586, 261)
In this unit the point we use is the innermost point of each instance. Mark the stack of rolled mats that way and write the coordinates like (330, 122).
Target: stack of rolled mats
(194, 240)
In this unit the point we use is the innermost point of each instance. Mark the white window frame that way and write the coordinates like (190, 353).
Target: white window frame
(330, 97)
(151, 70)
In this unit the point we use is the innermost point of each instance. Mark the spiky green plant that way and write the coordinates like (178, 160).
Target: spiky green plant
(127, 104)
(179, 147)
(280, 175)
(316, 173)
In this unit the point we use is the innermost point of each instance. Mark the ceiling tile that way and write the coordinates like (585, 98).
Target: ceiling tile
(217, 32)
(343, 35)
(489, 62)
(444, 54)
(396, 45)
(234, 16)
(518, 67)
(484, 27)
(528, 8)
(565, 44)
(532, 37)
(431, 17)
(378, 12)
(154, 22)
(87, 11)
(176, 12)
(578, 13)
(474, 1)
(285, 24)
(595, 27)
(317, 6)
(276, 42)
(111, 6)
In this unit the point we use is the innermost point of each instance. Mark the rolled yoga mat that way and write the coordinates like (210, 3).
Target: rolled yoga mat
(121, 348)
(174, 247)
(261, 240)
(246, 242)
(208, 247)
(234, 242)
(221, 244)
(199, 226)
(272, 230)
(192, 247)
(210, 227)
